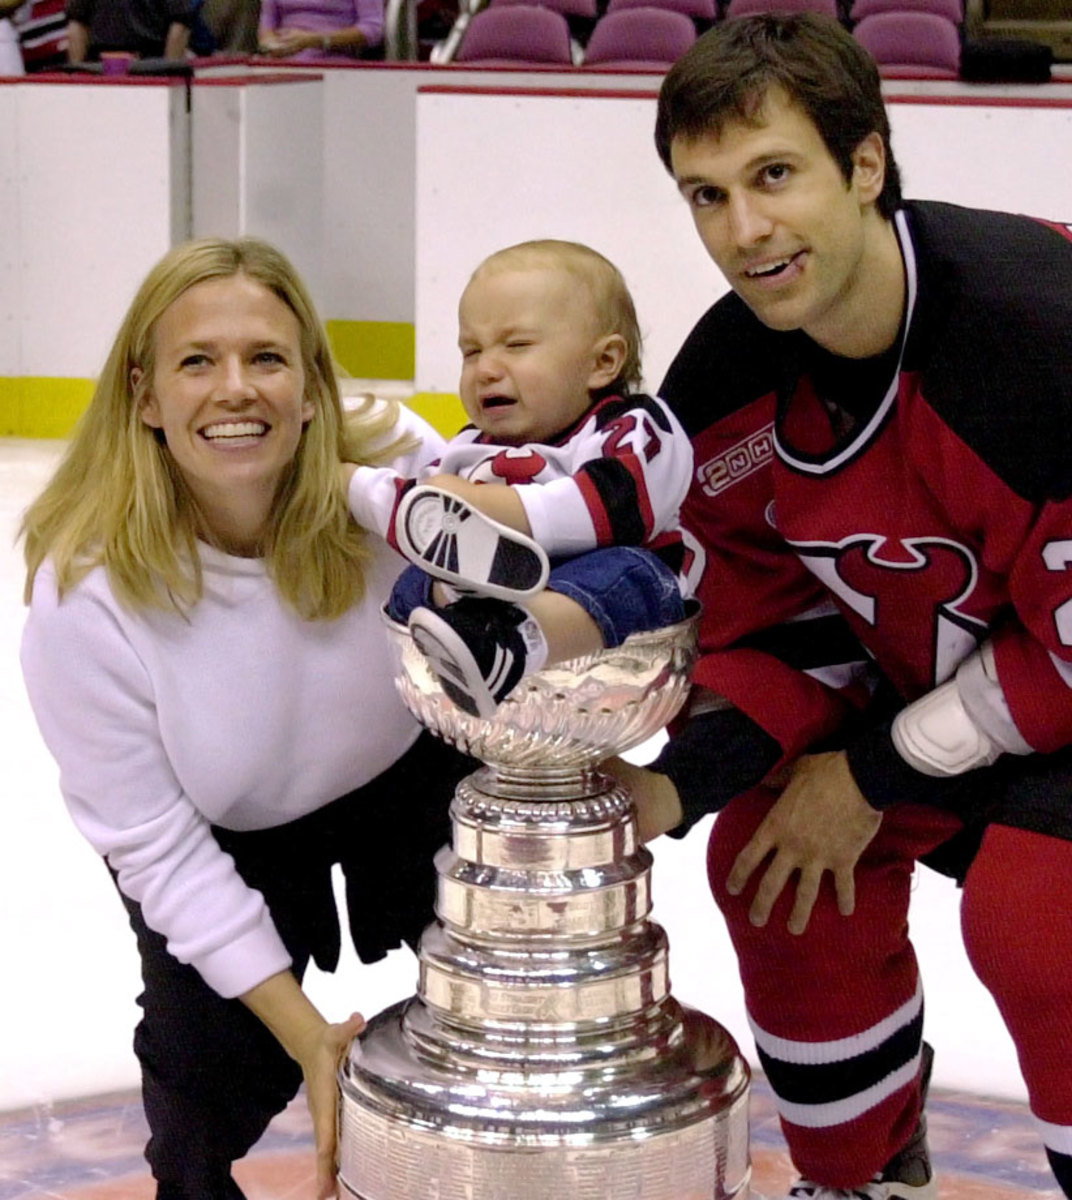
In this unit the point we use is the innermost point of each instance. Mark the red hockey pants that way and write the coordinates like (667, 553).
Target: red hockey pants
(837, 1011)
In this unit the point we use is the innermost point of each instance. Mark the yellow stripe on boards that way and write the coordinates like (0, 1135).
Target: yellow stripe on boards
(41, 407)
(374, 349)
(443, 411)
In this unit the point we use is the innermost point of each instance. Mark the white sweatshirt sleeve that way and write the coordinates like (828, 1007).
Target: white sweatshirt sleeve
(373, 491)
(372, 497)
(93, 700)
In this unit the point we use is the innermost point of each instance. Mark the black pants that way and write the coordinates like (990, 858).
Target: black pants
(212, 1074)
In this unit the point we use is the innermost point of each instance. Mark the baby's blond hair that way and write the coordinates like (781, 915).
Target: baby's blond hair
(613, 307)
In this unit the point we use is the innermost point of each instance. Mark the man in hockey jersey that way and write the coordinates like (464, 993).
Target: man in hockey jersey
(880, 413)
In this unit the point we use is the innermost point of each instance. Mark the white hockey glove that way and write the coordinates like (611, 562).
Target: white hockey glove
(963, 724)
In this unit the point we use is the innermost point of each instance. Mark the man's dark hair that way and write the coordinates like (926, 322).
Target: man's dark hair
(727, 73)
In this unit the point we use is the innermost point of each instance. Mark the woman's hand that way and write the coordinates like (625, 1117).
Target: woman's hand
(317, 1047)
(320, 1065)
(282, 43)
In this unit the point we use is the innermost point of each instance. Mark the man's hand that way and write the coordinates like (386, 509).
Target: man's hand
(658, 806)
(821, 822)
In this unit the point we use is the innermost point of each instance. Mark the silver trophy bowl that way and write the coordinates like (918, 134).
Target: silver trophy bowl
(543, 1056)
(567, 717)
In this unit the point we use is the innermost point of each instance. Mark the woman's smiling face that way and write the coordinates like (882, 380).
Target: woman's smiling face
(228, 393)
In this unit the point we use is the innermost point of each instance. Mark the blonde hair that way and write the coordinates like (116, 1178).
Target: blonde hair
(613, 305)
(118, 499)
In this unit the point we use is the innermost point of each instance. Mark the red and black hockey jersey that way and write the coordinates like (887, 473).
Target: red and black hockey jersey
(926, 494)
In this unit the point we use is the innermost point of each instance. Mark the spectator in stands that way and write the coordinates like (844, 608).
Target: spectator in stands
(308, 29)
(150, 29)
(232, 24)
(10, 53)
(42, 30)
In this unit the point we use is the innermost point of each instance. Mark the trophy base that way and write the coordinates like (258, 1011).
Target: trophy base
(619, 1126)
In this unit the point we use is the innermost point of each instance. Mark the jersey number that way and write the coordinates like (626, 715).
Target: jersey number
(616, 431)
(1058, 557)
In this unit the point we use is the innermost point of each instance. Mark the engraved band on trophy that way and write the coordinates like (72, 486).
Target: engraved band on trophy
(543, 1057)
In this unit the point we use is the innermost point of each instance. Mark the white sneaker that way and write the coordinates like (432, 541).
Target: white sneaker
(457, 543)
(907, 1176)
(877, 1189)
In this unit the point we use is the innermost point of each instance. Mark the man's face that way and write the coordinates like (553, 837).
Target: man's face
(775, 213)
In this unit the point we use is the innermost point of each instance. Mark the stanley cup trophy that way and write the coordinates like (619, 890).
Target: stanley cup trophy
(543, 1057)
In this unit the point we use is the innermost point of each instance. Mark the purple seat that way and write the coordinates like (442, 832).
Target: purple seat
(647, 38)
(952, 10)
(749, 8)
(696, 10)
(911, 45)
(568, 8)
(518, 35)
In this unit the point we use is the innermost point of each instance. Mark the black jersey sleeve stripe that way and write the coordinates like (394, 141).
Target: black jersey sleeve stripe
(714, 757)
(617, 491)
(808, 644)
(884, 778)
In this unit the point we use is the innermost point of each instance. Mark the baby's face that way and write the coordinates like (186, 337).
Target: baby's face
(530, 352)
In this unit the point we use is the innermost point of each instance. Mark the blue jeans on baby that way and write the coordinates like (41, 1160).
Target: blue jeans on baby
(625, 590)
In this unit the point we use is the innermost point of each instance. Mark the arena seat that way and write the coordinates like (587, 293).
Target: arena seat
(702, 12)
(581, 17)
(516, 35)
(568, 8)
(911, 45)
(748, 8)
(952, 10)
(639, 39)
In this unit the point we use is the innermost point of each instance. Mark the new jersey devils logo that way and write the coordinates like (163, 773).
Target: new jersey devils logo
(515, 464)
(911, 591)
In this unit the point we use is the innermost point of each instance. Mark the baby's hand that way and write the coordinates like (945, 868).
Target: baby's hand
(452, 484)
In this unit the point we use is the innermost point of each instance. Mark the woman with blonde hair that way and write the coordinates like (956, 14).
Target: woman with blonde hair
(205, 658)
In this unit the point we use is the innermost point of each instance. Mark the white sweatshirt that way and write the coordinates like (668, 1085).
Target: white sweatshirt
(242, 715)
